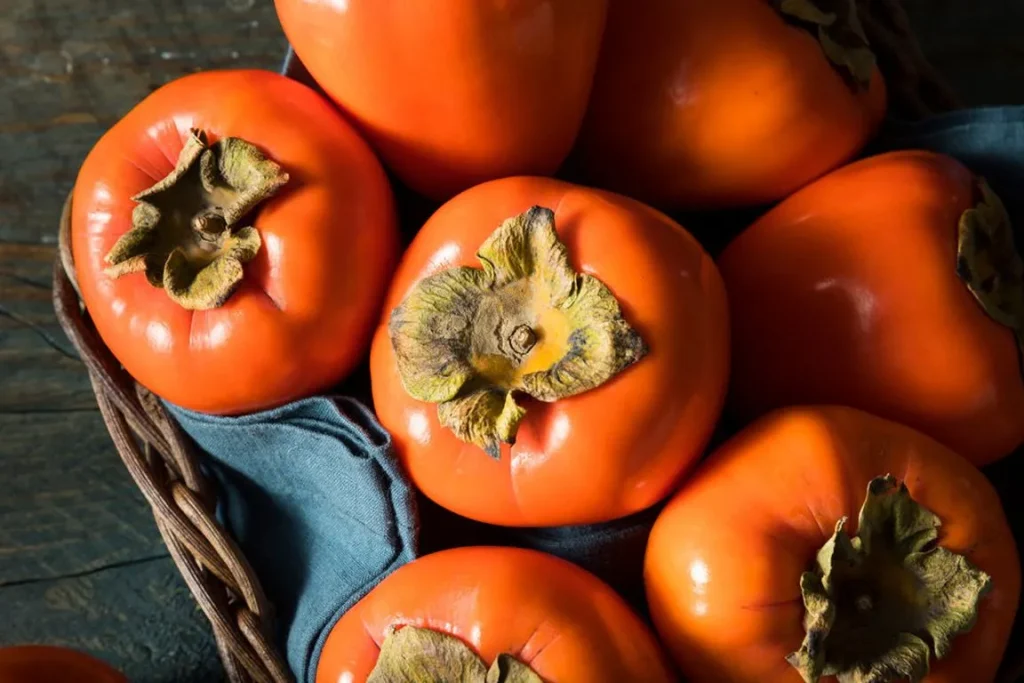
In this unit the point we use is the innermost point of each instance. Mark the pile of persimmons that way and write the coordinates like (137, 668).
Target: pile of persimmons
(553, 349)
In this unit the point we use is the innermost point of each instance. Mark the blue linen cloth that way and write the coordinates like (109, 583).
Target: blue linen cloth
(314, 494)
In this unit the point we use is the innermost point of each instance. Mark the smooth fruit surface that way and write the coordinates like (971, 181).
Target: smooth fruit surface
(725, 557)
(453, 93)
(563, 622)
(848, 293)
(598, 455)
(304, 312)
(719, 104)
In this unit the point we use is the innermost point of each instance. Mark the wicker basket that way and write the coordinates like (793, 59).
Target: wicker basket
(164, 463)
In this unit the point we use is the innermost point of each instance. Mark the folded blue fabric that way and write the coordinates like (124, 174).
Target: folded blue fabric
(315, 497)
(313, 494)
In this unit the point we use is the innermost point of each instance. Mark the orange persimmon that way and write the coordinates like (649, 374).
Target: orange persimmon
(868, 288)
(700, 104)
(52, 664)
(452, 93)
(233, 237)
(761, 569)
(540, 616)
(574, 341)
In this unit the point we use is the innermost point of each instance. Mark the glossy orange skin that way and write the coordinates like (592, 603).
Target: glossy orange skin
(602, 454)
(560, 620)
(847, 293)
(719, 104)
(304, 314)
(724, 559)
(453, 93)
(49, 664)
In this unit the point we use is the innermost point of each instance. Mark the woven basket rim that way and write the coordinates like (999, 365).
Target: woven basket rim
(163, 463)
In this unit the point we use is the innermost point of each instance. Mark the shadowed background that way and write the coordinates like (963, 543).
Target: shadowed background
(81, 563)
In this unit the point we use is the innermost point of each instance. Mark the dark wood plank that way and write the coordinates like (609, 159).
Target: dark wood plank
(38, 366)
(69, 69)
(69, 506)
(138, 617)
(81, 563)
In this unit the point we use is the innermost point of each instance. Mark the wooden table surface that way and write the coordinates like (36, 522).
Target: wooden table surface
(81, 563)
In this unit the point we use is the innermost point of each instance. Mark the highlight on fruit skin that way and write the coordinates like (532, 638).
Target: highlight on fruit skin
(892, 285)
(454, 93)
(702, 105)
(232, 238)
(488, 614)
(832, 542)
(550, 354)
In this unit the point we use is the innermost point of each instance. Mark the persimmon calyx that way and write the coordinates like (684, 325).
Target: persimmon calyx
(879, 604)
(838, 27)
(185, 235)
(470, 339)
(988, 262)
(418, 655)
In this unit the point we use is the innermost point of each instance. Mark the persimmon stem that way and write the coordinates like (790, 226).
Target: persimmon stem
(185, 235)
(990, 265)
(879, 605)
(418, 655)
(837, 26)
(523, 339)
(469, 339)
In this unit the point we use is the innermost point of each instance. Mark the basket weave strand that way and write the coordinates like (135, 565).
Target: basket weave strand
(163, 464)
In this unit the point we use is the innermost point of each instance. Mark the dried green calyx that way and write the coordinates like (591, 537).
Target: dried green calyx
(418, 655)
(990, 265)
(469, 339)
(880, 604)
(185, 235)
(837, 25)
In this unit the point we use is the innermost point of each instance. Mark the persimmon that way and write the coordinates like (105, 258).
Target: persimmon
(892, 285)
(524, 615)
(52, 664)
(762, 569)
(550, 354)
(730, 103)
(453, 93)
(233, 238)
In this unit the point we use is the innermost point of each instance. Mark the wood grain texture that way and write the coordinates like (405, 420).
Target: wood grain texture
(39, 370)
(139, 617)
(81, 563)
(69, 69)
(69, 505)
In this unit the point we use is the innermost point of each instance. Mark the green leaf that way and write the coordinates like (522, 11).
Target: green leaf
(508, 669)
(463, 337)
(183, 232)
(879, 605)
(990, 265)
(837, 26)
(431, 333)
(805, 10)
(418, 655)
(486, 418)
